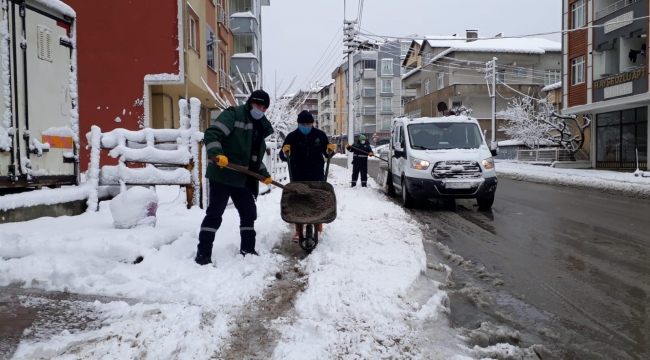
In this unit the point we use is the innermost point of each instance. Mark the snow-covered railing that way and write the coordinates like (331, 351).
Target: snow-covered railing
(169, 156)
(614, 8)
(277, 168)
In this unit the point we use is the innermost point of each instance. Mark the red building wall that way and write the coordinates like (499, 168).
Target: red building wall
(118, 43)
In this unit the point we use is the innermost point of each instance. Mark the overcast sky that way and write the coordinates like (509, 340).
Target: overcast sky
(296, 33)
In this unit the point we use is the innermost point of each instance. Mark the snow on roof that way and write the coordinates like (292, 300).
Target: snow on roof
(507, 45)
(245, 56)
(411, 72)
(246, 14)
(552, 87)
(59, 6)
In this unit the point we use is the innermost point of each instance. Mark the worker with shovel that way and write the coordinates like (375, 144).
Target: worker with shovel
(236, 137)
(307, 146)
(361, 150)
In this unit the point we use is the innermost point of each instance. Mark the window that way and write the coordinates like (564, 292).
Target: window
(241, 6)
(578, 70)
(370, 64)
(387, 67)
(245, 44)
(427, 87)
(578, 14)
(387, 86)
(405, 48)
(210, 47)
(386, 104)
(193, 32)
(619, 135)
(439, 136)
(501, 76)
(441, 80)
(427, 58)
(385, 123)
(520, 73)
(552, 77)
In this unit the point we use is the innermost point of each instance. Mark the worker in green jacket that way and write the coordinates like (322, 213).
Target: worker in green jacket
(236, 136)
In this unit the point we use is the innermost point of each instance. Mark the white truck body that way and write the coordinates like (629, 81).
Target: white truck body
(37, 140)
(442, 158)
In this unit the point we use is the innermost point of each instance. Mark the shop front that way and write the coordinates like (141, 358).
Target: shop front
(620, 136)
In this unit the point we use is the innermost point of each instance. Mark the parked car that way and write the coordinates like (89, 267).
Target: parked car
(440, 158)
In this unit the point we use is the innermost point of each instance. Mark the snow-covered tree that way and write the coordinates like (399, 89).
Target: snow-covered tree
(525, 121)
(535, 120)
(283, 116)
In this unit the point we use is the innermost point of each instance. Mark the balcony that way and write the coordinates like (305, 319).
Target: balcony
(369, 92)
(224, 80)
(369, 74)
(369, 110)
(244, 23)
(614, 8)
(222, 16)
(247, 63)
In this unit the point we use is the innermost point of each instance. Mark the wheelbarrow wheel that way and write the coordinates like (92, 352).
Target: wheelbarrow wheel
(309, 241)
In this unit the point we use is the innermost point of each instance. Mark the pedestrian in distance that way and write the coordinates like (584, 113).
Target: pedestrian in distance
(360, 150)
(306, 148)
(237, 137)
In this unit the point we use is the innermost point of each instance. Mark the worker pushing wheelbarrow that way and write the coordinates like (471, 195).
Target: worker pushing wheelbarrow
(305, 150)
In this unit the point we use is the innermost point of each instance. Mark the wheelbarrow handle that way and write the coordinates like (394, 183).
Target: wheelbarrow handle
(255, 175)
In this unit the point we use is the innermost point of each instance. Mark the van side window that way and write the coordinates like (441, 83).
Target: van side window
(401, 136)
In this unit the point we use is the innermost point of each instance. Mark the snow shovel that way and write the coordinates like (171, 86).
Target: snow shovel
(368, 153)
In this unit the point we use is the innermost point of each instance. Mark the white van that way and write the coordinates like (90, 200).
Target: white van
(442, 158)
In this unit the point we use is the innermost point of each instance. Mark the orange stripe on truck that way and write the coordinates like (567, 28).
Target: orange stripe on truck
(58, 142)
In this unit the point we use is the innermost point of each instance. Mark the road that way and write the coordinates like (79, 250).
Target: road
(567, 268)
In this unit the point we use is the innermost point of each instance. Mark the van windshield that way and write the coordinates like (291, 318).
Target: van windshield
(439, 136)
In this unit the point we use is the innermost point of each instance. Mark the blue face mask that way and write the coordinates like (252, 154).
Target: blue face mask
(256, 113)
(304, 129)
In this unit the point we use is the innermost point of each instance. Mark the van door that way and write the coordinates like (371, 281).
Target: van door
(40, 52)
(396, 163)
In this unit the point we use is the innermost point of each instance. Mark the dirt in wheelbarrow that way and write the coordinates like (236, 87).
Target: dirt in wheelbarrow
(309, 204)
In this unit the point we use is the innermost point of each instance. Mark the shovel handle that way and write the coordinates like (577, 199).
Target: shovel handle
(255, 175)
(367, 153)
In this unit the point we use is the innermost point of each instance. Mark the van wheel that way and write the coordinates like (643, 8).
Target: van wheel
(485, 203)
(390, 188)
(407, 200)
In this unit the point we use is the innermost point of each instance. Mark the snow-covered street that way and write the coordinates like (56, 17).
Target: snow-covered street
(357, 301)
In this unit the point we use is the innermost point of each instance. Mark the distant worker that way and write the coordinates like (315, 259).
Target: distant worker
(306, 147)
(361, 150)
(236, 136)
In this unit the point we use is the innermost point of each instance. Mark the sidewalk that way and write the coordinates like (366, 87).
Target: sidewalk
(622, 183)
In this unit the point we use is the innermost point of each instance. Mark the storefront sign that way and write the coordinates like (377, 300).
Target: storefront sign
(619, 79)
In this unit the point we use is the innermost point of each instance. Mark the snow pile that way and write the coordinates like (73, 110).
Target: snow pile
(45, 196)
(134, 207)
(552, 87)
(601, 180)
(59, 6)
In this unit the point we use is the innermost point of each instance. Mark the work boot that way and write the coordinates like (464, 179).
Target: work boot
(249, 252)
(202, 260)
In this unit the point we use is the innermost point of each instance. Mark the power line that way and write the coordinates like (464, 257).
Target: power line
(517, 36)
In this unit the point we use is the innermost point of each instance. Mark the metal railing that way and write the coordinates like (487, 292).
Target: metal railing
(222, 16)
(551, 155)
(224, 80)
(614, 8)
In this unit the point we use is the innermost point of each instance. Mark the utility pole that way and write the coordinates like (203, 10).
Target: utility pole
(491, 74)
(351, 43)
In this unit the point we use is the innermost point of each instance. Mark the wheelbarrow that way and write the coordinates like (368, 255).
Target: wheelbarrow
(325, 214)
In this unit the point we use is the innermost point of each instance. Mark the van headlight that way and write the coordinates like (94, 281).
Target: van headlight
(488, 163)
(419, 164)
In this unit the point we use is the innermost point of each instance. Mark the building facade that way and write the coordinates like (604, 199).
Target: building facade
(605, 77)
(246, 59)
(452, 71)
(325, 112)
(339, 103)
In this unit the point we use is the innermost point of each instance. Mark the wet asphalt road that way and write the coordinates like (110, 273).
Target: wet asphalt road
(573, 267)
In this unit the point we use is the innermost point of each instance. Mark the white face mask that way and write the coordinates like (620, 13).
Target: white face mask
(363, 141)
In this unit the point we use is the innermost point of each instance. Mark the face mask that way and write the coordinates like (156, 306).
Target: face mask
(363, 142)
(304, 129)
(256, 113)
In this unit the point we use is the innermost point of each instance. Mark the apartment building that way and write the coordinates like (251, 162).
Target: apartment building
(605, 76)
(339, 104)
(246, 59)
(307, 100)
(451, 70)
(326, 104)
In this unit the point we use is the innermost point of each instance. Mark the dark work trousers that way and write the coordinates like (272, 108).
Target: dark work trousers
(360, 165)
(244, 202)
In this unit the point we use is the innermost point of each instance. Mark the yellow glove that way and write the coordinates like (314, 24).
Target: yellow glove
(286, 148)
(331, 147)
(370, 154)
(222, 160)
(267, 181)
